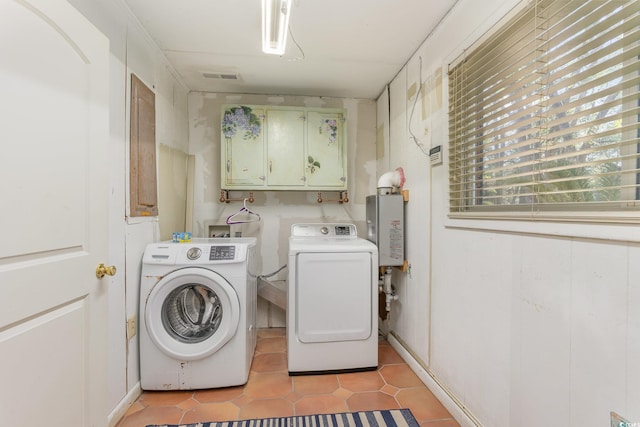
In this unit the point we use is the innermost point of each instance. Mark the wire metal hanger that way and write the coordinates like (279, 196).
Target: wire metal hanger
(244, 210)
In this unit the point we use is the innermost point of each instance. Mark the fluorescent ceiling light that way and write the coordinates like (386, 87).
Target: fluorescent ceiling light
(275, 22)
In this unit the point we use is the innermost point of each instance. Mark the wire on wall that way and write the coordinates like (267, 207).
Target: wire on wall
(415, 101)
(387, 142)
(266, 276)
(299, 58)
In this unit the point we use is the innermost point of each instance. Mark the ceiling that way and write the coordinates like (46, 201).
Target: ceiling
(336, 48)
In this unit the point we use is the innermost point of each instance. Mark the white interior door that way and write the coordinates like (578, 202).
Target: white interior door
(53, 220)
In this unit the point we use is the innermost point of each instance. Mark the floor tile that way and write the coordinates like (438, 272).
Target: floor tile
(268, 385)
(423, 404)
(371, 401)
(218, 394)
(225, 411)
(315, 384)
(361, 381)
(265, 408)
(137, 406)
(156, 415)
(269, 362)
(188, 404)
(343, 393)
(387, 355)
(400, 376)
(320, 404)
(440, 423)
(389, 389)
(164, 398)
(271, 392)
(271, 345)
(271, 332)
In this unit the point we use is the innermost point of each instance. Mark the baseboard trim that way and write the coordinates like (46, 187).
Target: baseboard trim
(121, 408)
(460, 414)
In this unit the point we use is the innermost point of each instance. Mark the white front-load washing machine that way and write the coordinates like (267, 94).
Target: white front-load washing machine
(332, 299)
(197, 313)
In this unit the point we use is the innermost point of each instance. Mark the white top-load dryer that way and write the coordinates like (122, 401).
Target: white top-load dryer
(332, 322)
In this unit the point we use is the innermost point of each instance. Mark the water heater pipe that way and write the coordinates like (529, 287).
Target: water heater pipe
(393, 179)
(388, 289)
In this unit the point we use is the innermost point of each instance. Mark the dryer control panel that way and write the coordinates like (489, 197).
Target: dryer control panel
(324, 230)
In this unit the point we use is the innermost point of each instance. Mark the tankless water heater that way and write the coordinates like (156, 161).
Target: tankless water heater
(385, 227)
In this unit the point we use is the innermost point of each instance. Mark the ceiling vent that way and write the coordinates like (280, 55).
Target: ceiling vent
(221, 76)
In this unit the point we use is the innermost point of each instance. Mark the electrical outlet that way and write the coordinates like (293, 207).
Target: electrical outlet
(131, 327)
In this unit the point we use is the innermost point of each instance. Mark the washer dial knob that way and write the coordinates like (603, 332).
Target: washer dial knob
(194, 253)
(324, 230)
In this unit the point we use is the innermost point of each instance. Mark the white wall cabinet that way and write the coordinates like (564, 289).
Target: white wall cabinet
(326, 153)
(283, 148)
(243, 147)
(285, 130)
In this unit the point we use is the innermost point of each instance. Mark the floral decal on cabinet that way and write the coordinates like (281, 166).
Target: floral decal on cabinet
(241, 119)
(312, 164)
(331, 127)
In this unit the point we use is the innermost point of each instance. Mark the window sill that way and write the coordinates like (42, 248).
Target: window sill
(601, 225)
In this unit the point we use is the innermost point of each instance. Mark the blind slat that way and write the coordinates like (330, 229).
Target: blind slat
(578, 85)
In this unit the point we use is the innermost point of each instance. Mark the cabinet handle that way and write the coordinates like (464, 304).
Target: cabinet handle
(228, 166)
(270, 165)
(262, 177)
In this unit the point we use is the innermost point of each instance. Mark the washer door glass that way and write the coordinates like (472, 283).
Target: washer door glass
(191, 313)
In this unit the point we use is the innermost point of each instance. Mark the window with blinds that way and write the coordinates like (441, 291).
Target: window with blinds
(545, 114)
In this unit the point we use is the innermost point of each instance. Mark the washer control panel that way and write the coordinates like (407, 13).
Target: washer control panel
(203, 252)
(222, 253)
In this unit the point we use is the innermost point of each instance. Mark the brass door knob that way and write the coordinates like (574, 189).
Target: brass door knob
(104, 270)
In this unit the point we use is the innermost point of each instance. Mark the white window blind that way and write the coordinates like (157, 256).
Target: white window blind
(544, 114)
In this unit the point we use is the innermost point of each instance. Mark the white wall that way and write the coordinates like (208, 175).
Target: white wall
(132, 51)
(278, 209)
(523, 324)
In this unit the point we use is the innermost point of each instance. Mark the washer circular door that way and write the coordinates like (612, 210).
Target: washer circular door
(191, 313)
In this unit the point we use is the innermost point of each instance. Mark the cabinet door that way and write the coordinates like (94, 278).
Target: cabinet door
(243, 139)
(326, 155)
(285, 148)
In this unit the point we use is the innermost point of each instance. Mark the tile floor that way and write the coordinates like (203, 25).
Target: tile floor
(271, 392)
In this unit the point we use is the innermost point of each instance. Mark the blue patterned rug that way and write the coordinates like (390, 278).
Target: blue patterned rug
(386, 418)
